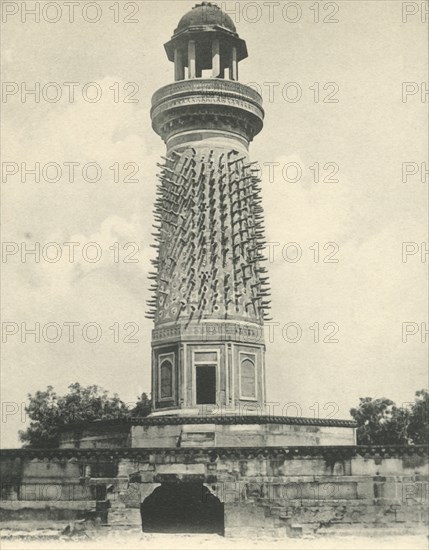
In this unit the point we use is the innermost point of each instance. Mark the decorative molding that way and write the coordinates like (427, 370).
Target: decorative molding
(211, 330)
(207, 103)
(255, 363)
(332, 453)
(207, 86)
(170, 357)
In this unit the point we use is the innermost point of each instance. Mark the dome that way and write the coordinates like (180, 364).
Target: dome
(205, 13)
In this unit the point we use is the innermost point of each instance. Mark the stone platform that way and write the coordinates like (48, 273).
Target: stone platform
(260, 491)
(210, 431)
(242, 474)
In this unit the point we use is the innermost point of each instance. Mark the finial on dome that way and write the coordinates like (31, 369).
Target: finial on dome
(211, 4)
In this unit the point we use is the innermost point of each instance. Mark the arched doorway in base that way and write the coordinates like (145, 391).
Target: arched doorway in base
(182, 508)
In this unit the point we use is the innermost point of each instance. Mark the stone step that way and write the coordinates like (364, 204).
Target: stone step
(124, 517)
(19, 528)
(370, 530)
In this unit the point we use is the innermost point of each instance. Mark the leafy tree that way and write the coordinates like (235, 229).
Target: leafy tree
(44, 413)
(378, 422)
(49, 412)
(143, 406)
(418, 428)
(381, 422)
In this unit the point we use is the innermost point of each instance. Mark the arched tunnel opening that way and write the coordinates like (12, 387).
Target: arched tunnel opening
(182, 508)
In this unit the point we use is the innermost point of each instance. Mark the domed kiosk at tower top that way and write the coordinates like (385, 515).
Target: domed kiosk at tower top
(206, 40)
(206, 96)
(205, 13)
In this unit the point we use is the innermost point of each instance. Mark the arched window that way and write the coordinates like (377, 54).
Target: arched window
(247, 378)
(166, 372)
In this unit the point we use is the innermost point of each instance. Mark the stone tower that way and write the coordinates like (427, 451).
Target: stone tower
(210, 286)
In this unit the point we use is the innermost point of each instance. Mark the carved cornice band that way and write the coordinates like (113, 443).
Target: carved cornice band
(207, 104)
(212, 454)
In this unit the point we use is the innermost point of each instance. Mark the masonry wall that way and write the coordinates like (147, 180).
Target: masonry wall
(277, 491)
(240, 435)
(97, 435)
(210, 431)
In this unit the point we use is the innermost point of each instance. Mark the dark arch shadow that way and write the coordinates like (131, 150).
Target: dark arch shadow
(182, 508)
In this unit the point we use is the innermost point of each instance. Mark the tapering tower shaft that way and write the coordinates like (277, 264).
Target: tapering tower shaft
(210, 284)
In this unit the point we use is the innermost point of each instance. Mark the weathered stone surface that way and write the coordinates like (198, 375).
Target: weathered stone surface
(236, 435)
(285, 490)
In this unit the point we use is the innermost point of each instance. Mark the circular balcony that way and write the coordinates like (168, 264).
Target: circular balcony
(204, 104)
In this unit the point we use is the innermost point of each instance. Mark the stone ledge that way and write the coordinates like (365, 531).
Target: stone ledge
(213, 453)
(52, 504)
(217, 419)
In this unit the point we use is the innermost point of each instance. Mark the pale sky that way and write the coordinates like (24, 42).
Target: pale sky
(369, 213)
